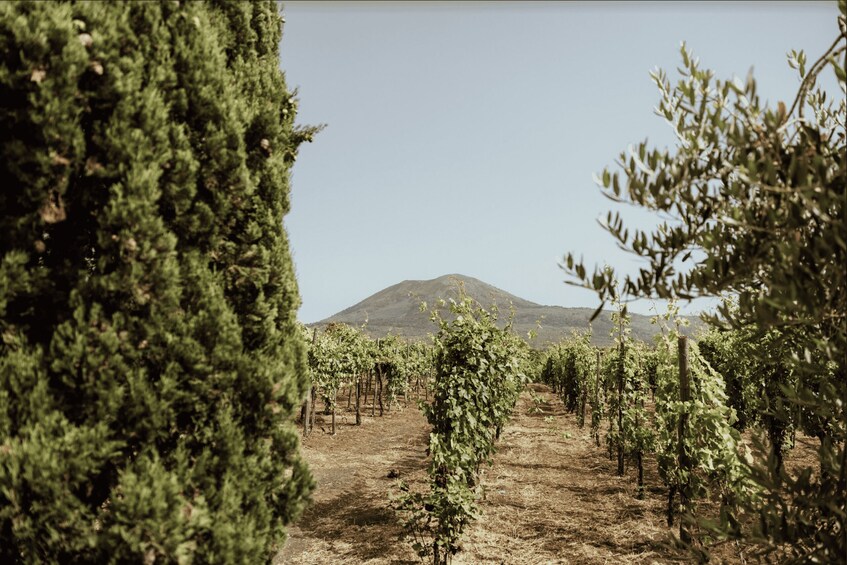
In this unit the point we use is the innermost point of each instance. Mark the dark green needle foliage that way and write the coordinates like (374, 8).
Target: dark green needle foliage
(149, 357)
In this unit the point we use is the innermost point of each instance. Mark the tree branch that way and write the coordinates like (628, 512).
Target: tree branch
(813, 73)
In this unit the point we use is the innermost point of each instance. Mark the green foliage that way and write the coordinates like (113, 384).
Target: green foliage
(337, 356)
(616, 390)
(417, 360)
(342, 355)
(752, 200)
(480, 371)
(628, 386)
(618, 373)
(149, 354)
(758, 381)
(710, 443)
(570, 368)
(728, 352)
(639, 436)
(394, 359)
(597, 402)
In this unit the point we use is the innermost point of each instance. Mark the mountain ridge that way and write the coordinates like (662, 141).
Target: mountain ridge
(396, 310)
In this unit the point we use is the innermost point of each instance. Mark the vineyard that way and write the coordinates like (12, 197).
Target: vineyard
(685, 427)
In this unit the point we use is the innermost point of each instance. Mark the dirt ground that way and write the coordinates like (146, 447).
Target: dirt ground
(551, 495)
(351, 519)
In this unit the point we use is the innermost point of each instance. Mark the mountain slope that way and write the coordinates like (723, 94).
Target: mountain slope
(396, 310)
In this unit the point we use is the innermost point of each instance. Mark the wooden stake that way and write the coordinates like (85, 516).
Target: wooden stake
(596, 399)
(621, 375)
(307, 404)
(379, 387)
(358, 400)
(312, 415)
(334, 402)
(684, 461)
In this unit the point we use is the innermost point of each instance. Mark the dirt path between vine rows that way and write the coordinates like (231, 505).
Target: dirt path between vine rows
(551, 495)
(351, 519)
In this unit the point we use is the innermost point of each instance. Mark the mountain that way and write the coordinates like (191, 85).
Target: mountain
(396, 310)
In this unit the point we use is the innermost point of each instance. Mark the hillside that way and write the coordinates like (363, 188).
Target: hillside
(396, 310)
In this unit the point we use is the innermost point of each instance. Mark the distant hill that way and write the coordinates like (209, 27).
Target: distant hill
(396, 310)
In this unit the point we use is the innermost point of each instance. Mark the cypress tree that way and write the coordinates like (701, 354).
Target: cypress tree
(150, 360)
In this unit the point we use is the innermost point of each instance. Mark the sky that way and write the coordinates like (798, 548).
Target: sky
(464, 137)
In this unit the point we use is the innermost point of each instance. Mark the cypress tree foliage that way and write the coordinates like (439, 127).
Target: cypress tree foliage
(149, 355)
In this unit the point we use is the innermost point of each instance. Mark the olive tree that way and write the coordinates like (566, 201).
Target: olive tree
(751, 203)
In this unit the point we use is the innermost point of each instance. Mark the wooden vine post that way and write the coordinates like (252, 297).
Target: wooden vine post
(376, 367)
(583, 399)
(307, 404)
(359, 399)
(621, 373)
(390, 395)
(684, 461)
(406, 388)
(596, 399)
(373, 395)
(368, 385)
(304, 411)
(312, 410)
(334, 403)
(638, 454)
(379, 388)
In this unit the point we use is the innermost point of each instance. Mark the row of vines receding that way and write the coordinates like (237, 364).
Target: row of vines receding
(685, 403)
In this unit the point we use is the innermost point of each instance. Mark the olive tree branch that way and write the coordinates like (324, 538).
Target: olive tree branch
(809, 79)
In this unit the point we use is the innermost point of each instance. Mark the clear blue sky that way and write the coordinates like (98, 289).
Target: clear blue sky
(462, 138)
